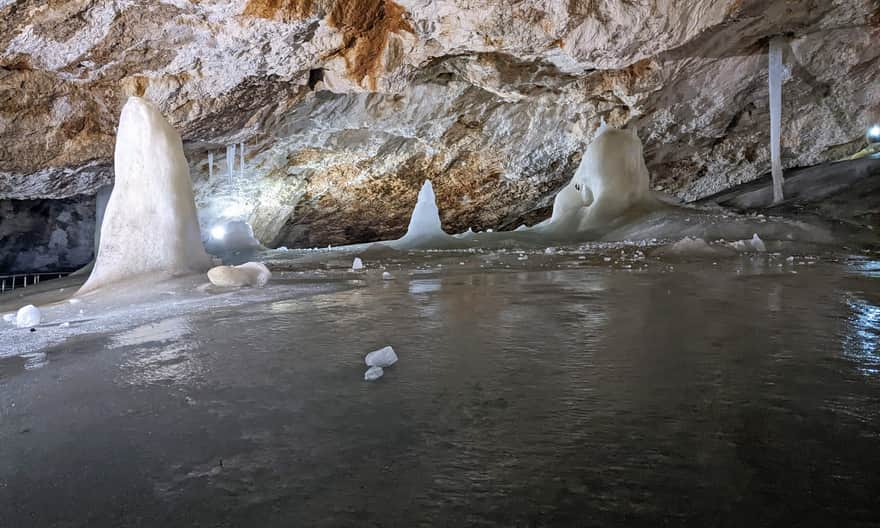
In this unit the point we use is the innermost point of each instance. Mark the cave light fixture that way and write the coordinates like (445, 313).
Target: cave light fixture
(874, 134)
(218, 232)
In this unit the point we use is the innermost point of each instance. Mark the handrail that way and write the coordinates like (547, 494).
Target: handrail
(11, 281)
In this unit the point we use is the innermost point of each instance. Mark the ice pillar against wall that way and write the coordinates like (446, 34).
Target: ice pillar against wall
(150, 223)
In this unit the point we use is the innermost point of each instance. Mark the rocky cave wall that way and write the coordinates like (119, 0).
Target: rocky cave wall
(30, 243)
(345, 106)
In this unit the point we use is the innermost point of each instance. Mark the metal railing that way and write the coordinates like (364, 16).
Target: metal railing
(9, 283)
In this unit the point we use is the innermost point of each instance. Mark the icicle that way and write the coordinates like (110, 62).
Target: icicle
(775, 76)
(210, 166)
(230, 162)
(241, 162)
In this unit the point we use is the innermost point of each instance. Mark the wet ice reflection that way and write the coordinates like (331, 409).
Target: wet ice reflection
(862, 340)
(160, 352)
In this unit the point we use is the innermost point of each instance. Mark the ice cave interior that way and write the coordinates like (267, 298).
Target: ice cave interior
(439, 263)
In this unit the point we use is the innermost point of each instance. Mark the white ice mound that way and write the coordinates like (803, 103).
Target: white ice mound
(425, 220)
(247, 274)
(150, 223)
(28, 316)
(758, 244)
(692, 246)
(611, 178)
(357, 264)
(384, 357)
(373, 373)
(387, 276)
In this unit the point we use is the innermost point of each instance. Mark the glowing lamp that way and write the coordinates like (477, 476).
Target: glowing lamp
(874, 134)
(218, 232)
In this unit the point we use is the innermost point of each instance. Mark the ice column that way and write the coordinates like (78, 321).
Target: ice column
(230, 162)
(150, 223)
(775, 76)
(210, 166)
(241, 161)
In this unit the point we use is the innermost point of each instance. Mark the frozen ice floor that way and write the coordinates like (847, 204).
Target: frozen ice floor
(558, 391)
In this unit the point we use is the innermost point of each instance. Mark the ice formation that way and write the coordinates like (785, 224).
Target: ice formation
(373, 373)
(384, 357)
(692, 246)
(424, 228)
(247, 274)
(357, 264)
(9, 318)
(230, 163)
(28, 316)
(241, 160)
(611, 179)
(775, 75)
(387, 276)
(210, 166)
(758, 244)
(150, 224)
(233, 236)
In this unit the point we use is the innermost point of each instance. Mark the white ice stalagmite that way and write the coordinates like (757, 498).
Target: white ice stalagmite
(425, 219)
(610, 180)
(775, 75)
(425, 230)
(150, 224)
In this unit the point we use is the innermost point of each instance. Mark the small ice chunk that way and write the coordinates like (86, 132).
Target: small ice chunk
(373, 373)
(550, 251)
(28, 316)
(64, 324)
(74, 301)
(387, 276)
(9, 318)
(758, 244)
(358, 264)
(688, 245)
(384, 357)
(247, 274)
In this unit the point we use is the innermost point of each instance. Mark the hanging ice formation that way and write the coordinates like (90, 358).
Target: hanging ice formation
(775, 75)
(241, 161)
(210, 166)
(230, 162)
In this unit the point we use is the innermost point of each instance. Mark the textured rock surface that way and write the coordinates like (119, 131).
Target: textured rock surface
(347, 106)
(28, 242)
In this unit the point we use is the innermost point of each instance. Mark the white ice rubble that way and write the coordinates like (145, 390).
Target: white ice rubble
(378, 360)
(28, 316)
(384, 357)
(248, 274)
(373, 373)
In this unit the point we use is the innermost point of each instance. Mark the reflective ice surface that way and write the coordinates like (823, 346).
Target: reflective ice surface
(559, 390)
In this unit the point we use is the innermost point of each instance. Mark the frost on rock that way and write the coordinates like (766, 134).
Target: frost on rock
(384, 357)
(28, 316)
(357, 264)
(150, 224)
(373, 373)
(248, 274)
